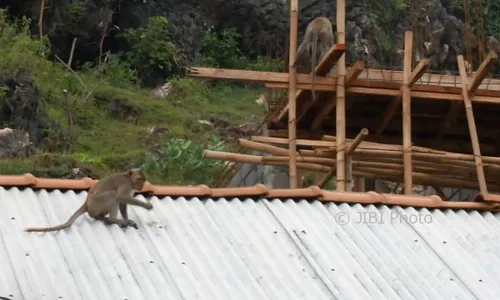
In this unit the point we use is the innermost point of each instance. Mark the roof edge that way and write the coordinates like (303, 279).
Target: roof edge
(259, 190)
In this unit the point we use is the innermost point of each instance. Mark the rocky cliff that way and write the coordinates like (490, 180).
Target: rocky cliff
(374, 29)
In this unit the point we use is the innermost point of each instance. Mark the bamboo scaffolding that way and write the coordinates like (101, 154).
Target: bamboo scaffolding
(406, 92)
(340, 104)
(292, 90)
(355, 143)
(366, 169)
(375, 160)
(396, 164)
(472, 127)
(381, 152)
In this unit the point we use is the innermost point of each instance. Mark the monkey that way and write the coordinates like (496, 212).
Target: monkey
(493, 44)
(319, 33)
(110, 194)
(436, 49)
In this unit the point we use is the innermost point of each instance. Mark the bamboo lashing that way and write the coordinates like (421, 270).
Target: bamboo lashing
(355, 143)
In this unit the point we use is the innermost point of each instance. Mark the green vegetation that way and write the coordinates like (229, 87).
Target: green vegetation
(385, 16)
(221, 50)
(105, 143)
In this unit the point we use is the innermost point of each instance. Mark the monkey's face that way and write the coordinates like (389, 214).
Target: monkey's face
(138, 178)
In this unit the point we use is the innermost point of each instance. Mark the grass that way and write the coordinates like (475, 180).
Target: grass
(106, 144)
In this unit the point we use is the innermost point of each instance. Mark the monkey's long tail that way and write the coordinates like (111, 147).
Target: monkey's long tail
(72, 219)
(313, 64)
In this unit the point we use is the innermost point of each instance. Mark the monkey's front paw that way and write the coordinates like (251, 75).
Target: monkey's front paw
(148, 206)
(132, 224)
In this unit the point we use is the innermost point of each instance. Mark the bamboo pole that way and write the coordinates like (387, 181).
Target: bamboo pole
(355, 143)
(456, 158)
(472, 126)
(315, 160)
(258, 160)
(395, 164)
(359, 186)
(263, 147)
(406, 92)
(292, 91)
(363, 169)
(420, 178)
(340, 120)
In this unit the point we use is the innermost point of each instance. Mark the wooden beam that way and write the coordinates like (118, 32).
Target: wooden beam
(283, 141)
(351, 76)
(421, 95)
(393, 85)
(324, 113)
(482, 71)
(360, 86)
(324, 66)
(449, 119)
(393, 106)
(472, 127)
(368, 78)
(405, 90)
(355, 143)
(340, 105)
(292, 90)
(353, 72)
(330, 58)
(479, 76)
(418, 92)
(444, 145)
(257, 76)
(303, 86)
(359, 186)
(419, 71)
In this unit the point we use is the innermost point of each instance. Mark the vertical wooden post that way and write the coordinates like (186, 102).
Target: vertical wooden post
(292, 90)
(379, 187)
(360, 184)
(406, 93)
(472, 126)
(341, 122)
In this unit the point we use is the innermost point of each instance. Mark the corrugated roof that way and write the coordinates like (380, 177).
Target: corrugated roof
(225, 248)
(260, 190)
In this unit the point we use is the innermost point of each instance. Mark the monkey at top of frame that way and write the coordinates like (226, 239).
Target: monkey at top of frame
(318, 39)
(110, 194)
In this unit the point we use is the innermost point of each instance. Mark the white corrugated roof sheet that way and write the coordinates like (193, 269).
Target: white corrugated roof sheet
(237, 249)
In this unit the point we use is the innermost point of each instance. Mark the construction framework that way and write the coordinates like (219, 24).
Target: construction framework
(342, 157)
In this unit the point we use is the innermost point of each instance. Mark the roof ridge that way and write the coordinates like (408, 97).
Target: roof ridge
(259, 190)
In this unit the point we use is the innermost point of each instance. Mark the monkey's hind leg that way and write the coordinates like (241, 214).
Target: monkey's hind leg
(112, 219)
(106, 203)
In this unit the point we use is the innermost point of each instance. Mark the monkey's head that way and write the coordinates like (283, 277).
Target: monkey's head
(137, 177)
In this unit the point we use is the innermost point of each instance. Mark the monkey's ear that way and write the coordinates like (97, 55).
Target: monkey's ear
(129, 172)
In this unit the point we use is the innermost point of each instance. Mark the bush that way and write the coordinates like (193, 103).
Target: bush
(182, 160)
(19, 50)
(116, 71)
(152, 53)
(221, 50)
